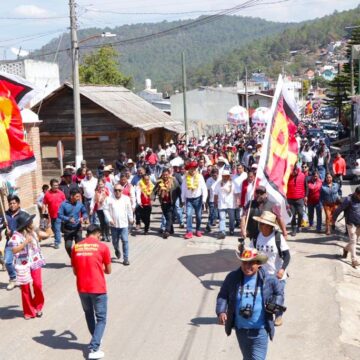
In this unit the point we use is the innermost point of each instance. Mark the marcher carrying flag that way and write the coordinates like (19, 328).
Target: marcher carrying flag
(280, 149)
(16, 155)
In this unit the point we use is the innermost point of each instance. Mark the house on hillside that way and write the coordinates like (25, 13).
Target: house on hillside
(113, 120)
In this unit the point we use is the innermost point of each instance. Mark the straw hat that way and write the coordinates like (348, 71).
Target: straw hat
(108, 168)
(252, 255)
(267, 217)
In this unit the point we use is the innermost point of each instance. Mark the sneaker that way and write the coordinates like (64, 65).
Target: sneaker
(126, 262)
(56, 246)
(278, 321)
(355, 263)
(117, 253)
(198, 233)
(293, 233)
(165, 235)
(39, 314)
(207, 229)
(221, 236)
(182, 225)
(96, 354)
(188, 235)
(232, 233)
(11, 285)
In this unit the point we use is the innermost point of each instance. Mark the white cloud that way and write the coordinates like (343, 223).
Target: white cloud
(32, 11)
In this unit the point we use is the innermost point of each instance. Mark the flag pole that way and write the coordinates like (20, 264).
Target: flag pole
(262, 160)
(2, 205)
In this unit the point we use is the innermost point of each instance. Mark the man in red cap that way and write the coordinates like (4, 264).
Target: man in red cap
(194, 194)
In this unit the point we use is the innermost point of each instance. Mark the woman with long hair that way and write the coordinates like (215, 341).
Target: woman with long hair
(28, 262)
(96, 206)
(330, 199)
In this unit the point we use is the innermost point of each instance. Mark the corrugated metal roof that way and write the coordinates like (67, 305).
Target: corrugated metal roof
(130, 107)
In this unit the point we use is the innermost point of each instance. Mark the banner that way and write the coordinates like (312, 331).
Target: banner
(16, 155)
(280, 148)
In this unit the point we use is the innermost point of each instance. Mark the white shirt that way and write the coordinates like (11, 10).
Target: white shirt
(88, 187)
(267, 245)
(226, 199)
(307, 156)
(162, 152)
(238, 180)
(119, 211)
(40, 199)
(210, 185)
(201, 190)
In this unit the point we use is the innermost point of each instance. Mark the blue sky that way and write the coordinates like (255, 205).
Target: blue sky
(31, 24)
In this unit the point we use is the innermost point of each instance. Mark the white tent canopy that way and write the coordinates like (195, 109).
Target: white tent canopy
(238, 115)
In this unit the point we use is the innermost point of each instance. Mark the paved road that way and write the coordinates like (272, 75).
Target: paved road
(162, 305)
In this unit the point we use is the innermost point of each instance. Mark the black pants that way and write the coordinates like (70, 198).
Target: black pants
(297, 210)
(168, 211)
(103, 225)
(137, 215)
(70, 236)
(145, 213)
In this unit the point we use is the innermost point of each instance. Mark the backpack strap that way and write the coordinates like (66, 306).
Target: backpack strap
(278, 243)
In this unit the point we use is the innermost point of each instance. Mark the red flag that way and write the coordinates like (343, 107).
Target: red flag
(16, 155)
(280, 151)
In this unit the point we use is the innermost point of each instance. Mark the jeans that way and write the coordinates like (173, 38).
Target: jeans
(56, 228)
(339, 180)
(253, 343)
(297, 208)
(178, 212)
(318, 209)
(168, 210)
(95, 309)
(9, 258)
(222, 223)
(193, 204)
(322, 172)
(163, 222)
(122, 234)
(213, 214)
(282, 284)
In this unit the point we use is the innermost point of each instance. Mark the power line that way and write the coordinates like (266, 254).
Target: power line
(198, 22)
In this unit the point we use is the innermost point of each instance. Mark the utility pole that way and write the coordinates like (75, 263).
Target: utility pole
(76, 85)
(184, 96)
(246, 90)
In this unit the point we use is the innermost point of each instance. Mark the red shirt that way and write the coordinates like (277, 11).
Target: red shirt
(53, 200)
(296, 186)
(88, 258)
(314, 192)
(339, 166)
(151, 158)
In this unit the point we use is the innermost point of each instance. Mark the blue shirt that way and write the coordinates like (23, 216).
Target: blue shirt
(257, 320)
(68, 210)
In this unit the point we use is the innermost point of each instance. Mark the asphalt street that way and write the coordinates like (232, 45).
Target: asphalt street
(162, 306)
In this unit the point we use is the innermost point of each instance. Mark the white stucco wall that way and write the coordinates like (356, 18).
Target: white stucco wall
(206, 108)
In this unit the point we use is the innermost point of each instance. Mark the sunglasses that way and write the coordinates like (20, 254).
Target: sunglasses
(260, 192)
(118, 190)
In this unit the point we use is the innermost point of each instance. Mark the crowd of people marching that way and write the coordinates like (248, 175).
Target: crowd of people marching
(208, 185)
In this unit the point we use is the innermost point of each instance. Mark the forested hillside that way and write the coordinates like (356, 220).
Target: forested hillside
(272, 54)
(160, 57)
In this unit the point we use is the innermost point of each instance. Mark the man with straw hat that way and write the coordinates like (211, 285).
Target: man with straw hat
(272, 243)
(246, 302)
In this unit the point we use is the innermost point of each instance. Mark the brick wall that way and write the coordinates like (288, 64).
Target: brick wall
(30, 184)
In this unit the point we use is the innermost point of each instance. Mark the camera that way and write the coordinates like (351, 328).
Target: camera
(246, 312)
(273, 306)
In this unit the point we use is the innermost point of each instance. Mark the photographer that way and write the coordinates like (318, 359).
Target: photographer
(247, 301)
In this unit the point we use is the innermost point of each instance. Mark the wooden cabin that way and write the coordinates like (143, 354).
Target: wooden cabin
(114, 120)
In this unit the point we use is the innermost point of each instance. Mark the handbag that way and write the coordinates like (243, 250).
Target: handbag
(23, 273)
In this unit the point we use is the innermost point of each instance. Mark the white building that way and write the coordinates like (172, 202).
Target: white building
(155, 98)
(44, 75)
(207, 107)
